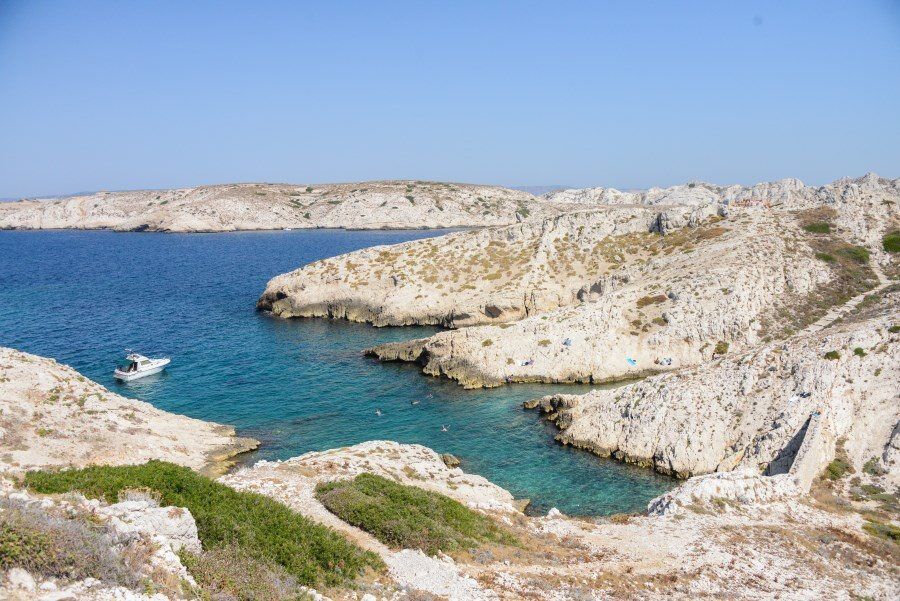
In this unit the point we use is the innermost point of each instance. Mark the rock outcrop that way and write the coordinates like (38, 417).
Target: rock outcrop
(778, 408)
(494, 275)
(52, 416)
(230, 207)
(616, 292)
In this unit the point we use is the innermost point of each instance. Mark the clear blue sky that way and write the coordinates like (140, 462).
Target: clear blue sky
(112, 95)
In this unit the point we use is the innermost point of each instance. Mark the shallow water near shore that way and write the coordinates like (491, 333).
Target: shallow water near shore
(296, 385)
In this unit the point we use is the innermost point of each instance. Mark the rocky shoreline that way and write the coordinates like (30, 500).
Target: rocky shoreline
(693, 542)
(754, 409)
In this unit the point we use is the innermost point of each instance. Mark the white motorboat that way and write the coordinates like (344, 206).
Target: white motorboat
(140, 366)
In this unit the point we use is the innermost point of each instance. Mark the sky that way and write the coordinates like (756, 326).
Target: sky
(124, 95)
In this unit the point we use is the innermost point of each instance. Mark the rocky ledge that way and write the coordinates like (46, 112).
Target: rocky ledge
(52, 416)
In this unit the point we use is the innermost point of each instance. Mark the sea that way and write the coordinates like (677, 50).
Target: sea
(300, 385)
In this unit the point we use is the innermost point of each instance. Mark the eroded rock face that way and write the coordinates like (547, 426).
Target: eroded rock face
(230, 207)
(52, 416)
(755, 410)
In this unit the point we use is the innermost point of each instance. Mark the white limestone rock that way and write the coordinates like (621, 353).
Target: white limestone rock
(174, 524)
(780, 407)
(744, 486)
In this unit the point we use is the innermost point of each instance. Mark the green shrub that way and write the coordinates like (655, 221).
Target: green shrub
(886, 531)
(487, 342)
(873, 468)
(403, 516)
(309, 188)
(859, 352)
(832, 355)
(828, 258)
(650, 300)
(871, 489)
(411, 199)
(838, 468)
(894, 329)
(721, 348)
(891, 242)
(259, 526)
(857, 253)
(819, 227)
(544, 342)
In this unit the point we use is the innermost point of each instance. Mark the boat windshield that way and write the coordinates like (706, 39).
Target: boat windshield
(131, 366)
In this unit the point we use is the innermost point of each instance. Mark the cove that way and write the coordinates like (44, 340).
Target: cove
(296, 385)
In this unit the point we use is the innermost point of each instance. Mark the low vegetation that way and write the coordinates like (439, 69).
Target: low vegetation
(403, 516)
(873, 468)
(56, 547)
(818, 227)
(891, 242)
(851, 275)
(885, 531)
(650, 300)
(832, 355)
(227, 572)
(838, 468)
(257, 526)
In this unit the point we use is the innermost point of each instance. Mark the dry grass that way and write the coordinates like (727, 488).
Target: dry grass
(58, 547)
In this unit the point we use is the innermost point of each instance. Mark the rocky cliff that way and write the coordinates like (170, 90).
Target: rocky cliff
(223, 208)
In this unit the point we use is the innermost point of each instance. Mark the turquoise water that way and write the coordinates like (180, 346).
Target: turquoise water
(298, 385)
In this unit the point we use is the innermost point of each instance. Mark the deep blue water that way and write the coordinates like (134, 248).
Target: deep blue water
(298, 385)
